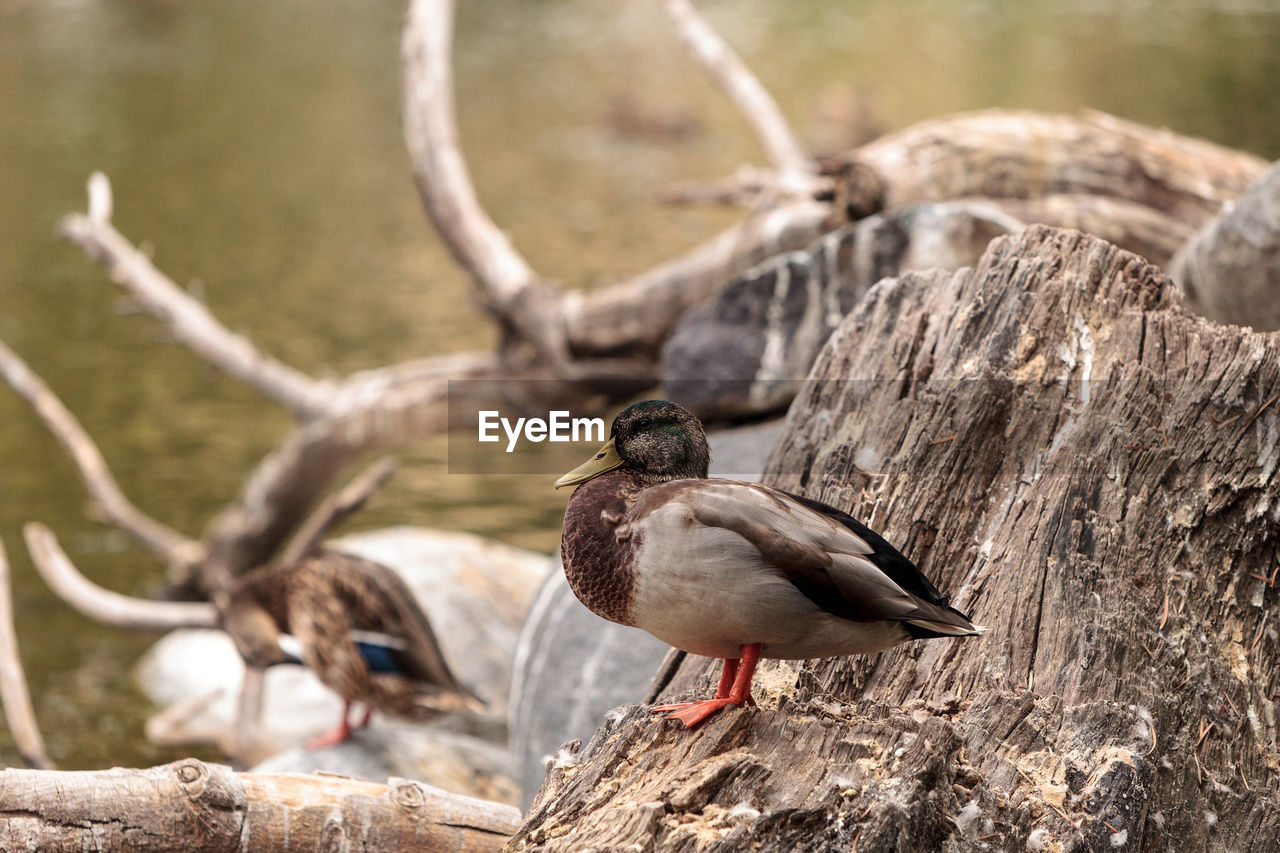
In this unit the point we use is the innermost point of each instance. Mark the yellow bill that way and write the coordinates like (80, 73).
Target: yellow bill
(605, 460)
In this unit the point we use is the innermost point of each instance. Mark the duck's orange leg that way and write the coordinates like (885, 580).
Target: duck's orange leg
(337, 735)
(734, 689)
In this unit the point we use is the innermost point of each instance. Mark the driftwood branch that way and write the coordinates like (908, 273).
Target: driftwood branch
(431, 134)
(190, 322)
(102, 604)
(13, 681)
(190, 805)
(170, 545)
(335, 508)
(782, 149)
(637, 314)
(371, 411)
(1019, 154)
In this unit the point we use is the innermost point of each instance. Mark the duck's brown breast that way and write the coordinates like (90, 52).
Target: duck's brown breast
(597, 546)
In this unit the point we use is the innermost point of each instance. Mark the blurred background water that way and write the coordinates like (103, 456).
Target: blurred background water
(257, 148)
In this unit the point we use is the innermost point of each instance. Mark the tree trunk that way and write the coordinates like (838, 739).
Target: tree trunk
(1089, 470)
(189, 805)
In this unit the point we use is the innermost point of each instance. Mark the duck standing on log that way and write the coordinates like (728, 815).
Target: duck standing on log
(728, 569)
(357, 625)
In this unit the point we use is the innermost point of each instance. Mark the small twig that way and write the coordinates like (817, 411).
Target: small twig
(171, 726)
(1230, 420)
(13, 683)
(943, 440)
(743, 187)
(731, 75)
(1257, 638)
(1261, 409)
(102, 604)
(1204, 730)
(336, 508)
(1164, 617)
(188, 320)
(1062, 814)
(166, 543)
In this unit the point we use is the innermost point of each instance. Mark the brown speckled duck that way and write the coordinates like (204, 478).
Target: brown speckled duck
(728, 569)
(356, 624)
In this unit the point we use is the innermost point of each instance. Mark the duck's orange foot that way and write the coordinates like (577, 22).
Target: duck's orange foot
(331, 738)
(693, 713)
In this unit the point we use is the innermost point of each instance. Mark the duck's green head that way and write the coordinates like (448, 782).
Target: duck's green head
(656, 439)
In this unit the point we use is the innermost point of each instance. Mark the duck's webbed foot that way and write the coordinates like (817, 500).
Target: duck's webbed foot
(734, 689)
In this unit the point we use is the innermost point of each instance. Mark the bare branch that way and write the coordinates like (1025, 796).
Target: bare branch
(373, 410)
(190, 321)
(431, 134)
(335, 508)
(102, 604)
(13, 682)
(635, 315)
(173, 725)
(187, 805)
(168, 544)
(731, 75)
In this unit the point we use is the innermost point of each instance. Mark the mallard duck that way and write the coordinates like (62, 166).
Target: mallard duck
(356, 624)
(728, 569)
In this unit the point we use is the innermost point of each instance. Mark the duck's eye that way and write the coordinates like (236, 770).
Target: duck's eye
(644, 423)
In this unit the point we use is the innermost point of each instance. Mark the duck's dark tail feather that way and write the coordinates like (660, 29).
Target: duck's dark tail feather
(932, 621)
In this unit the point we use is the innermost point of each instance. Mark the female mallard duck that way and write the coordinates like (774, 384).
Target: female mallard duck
(729, 569)
(356, 624)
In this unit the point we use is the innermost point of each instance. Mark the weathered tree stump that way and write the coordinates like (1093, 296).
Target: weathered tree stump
(1089, 469)
(190, 805)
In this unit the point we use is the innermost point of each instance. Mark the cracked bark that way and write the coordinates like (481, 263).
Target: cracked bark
(1065, 449)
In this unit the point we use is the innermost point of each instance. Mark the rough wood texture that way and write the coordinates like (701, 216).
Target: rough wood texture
(1230, 270)
(190, 805)
(1089, 470)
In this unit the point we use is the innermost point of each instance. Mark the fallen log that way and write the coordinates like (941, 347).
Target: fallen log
(190, 805)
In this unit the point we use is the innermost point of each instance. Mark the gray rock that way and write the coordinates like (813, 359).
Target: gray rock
(572, 667)
(744, 353)
(436, 754)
